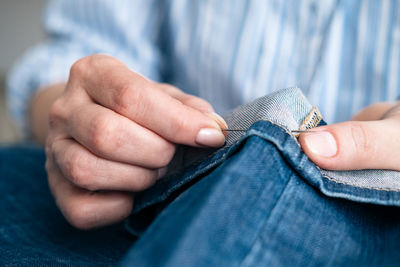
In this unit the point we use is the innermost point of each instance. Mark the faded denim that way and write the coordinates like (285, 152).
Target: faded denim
(288, 109)
(257, 201)
(33, 231)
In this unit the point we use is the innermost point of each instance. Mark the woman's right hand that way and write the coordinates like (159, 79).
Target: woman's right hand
(112, 133)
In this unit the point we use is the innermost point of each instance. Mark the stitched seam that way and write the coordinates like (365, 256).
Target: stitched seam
(335, 180)
(240, 138)
(358, 186)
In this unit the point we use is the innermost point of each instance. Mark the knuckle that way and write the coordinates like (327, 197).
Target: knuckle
(128, 99)
(123, 98)
(182, 125)
(76, 169)
(83, 66)
(57, 112)
(101, 60)
(144, 181)
(361, 139)
(80, 67)
(86, 213)
(120, 135)
(165, 152)
(132, 98)
(197, 103)
(170, 89)
(101, 131)
(82, 215)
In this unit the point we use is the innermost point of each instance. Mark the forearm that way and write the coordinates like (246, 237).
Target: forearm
(40, 107)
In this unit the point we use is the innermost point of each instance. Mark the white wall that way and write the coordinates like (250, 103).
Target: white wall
(20, 28)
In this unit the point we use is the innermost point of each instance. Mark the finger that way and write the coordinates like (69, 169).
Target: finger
(84, 209)
(188, 100)
(90, 172)
(114, 137)
(113, 85)
(354, 145)
(196, 103)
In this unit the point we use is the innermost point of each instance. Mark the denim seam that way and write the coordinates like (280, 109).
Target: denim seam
(224, 152)
(363, 187)
(386, 189)
(239, 140)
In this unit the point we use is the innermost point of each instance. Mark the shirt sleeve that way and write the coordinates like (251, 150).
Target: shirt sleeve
(127, 30)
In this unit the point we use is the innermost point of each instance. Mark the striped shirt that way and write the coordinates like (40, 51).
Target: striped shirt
(344, 55)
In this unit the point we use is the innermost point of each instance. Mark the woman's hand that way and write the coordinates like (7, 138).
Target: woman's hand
(370, 141)
(113, 132)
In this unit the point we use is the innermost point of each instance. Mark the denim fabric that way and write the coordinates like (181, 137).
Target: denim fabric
(260, 207)
(257, 201)
(32, 230)
(288, 109)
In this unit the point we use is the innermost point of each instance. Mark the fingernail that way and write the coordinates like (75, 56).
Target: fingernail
(321, 143)
(162, 172)
(221, 122)
(210, 137)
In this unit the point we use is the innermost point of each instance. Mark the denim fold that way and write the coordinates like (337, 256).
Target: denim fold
(289, 110)
(262, 202)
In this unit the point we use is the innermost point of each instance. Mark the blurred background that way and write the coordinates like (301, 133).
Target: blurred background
(20, 28)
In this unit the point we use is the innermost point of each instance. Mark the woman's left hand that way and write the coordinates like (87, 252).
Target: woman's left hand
(371, 140)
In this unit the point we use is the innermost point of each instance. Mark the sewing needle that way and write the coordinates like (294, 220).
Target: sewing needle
(243, 130)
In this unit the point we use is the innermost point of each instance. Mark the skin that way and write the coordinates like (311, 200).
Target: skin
(369, 141)
(109, 132)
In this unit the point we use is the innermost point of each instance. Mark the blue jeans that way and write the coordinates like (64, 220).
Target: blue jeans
(32, 230)
(258, 201)
(257, 204)
(258, 207)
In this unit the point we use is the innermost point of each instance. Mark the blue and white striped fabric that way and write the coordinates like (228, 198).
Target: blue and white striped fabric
(344, 54)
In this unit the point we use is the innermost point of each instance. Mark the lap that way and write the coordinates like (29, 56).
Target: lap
(32, 230)
(252, 209)
(255, 209)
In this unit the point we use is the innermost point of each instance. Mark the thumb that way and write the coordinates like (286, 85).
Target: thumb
(354, 145)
